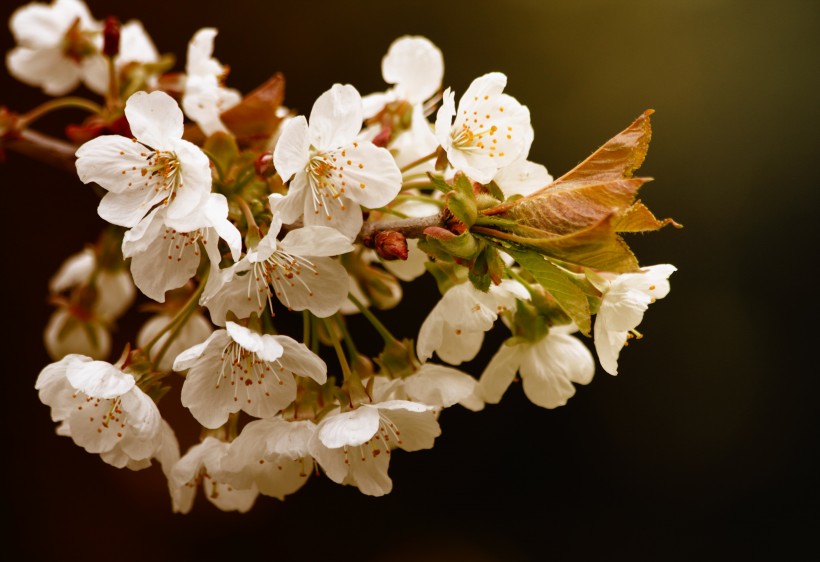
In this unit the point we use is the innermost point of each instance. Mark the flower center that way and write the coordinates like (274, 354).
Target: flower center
(76, 43)
(387, 437)
(242, 369)
(327, 183)
(163, 173)
(279, 274)
(180, 242)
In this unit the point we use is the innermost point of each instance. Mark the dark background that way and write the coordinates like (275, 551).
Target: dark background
(704, 447)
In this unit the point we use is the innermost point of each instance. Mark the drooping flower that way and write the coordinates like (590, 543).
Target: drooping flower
(415, 67)
(270, 455)
(58, 46)
(157, 167)
(548, 367)
(102, 409)
(296, 269)
(238, 369)
(625, 299)
(89, 299)
(435, 385)
(332, 175)
(205, 98)
(354, 447)
(455, 327)
(491, 129)
(163, 258)
(202, 465)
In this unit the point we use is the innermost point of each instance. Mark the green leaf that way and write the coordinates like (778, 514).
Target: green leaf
(461, 201)
(439, 183)
(570, 297)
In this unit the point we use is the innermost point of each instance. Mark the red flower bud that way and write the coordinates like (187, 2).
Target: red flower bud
(111, 37)
(391, 245)
(264, 165)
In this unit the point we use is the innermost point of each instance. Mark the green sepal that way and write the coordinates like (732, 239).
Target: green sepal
(398, 359)
(464, 245)
(222, 150)
(571, 298)
(462, 202)
(439, 183)
(446, 274)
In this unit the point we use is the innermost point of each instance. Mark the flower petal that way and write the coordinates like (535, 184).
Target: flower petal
(336, 117)
(155, 119)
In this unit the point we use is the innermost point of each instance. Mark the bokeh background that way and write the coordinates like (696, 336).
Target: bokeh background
(704, 447)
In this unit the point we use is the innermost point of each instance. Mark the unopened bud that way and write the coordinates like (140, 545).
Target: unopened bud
(391, 245)
(111, 37)
(383, 138)
(264, 165)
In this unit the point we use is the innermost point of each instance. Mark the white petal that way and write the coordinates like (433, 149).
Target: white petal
(416, 66)
(292, 153)
(522, 177)
(265, 346)
(316, 241)
(336, 117)
(114, 162)
(155, 119)
(321, 288)
(216, 211)
(417, 429)
(500, 372)
(349, 428)
(369, 473)
(75, 270)
(300, 360)
(438, 385)
(99, 379)
(185, 360)
(370, 173)
(46, 68)
(444, 119)
(129, 207)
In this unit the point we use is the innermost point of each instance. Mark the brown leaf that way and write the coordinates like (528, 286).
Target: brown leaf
(577, 217)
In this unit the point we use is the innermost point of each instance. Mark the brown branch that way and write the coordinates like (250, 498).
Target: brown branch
(49, 150)
(410, 228)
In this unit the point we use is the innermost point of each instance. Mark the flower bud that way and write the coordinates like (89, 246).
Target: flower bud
(264, 165)
(391, 245)
(111, 37)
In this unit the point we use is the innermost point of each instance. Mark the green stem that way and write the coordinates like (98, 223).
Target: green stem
(416, 185)
(422, 198)
(179, 318)
(349, 343)
(340, 354)
(383, 331)
(59, 103)
(421, 160)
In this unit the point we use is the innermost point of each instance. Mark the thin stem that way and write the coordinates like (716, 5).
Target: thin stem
(59, 103)
(246, 210)
(411, 228)
(346, 372)
(416, 185)
(421, 160)
(180, 317)
(351, 346)
(381, 328)
(422, 198)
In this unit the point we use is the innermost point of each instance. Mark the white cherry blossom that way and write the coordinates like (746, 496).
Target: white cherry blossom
(202, 465)
(156, 167)
(205, 98)
(455, 327)
(58, 46)
(354, 447)
(163, 258)
(271, 455)
(625, 299)
(102, 409)
(296, 269)
(332, 174)
(238, 369)
(435, 385)
(491, 129)
(548, 367)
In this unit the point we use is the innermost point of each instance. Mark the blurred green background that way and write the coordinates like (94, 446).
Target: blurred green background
(704, 447)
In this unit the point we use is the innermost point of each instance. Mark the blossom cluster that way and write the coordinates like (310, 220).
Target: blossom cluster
(234, 215)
